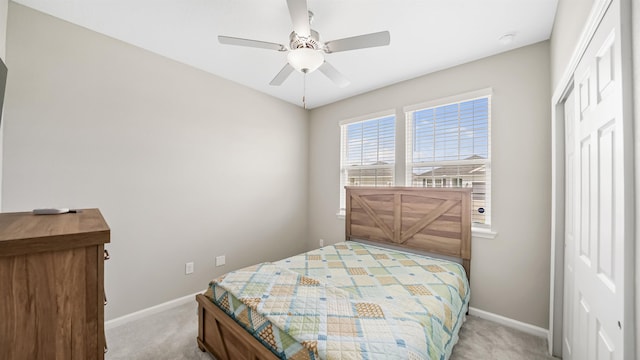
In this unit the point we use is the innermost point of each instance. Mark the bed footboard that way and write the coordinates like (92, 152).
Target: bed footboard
(224, 338)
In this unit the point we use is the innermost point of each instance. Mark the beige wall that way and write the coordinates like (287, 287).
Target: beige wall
(510, 274)
(184, 165)
(635, 28)
(4, 7)
(571, 16)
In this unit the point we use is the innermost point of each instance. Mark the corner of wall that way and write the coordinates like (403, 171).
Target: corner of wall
(4, 10)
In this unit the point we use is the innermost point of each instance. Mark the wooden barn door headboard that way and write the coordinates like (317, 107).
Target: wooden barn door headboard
(436, 220)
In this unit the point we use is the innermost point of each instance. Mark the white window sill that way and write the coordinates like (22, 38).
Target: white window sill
(482, 233)
(476, 232)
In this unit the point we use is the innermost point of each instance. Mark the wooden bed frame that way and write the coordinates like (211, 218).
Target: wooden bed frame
(434, 220)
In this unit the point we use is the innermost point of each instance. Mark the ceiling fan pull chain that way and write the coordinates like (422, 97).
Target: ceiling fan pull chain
(304, 90)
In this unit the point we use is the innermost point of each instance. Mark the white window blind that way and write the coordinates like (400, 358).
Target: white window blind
(449, 146)
(367, 154)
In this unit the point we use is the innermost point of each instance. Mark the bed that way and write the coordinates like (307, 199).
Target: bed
(341, 301)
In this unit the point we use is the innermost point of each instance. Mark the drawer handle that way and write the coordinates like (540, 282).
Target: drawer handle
(106, 254)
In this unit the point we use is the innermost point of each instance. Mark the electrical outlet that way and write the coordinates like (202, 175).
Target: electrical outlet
(321, 242)
(188, 268)
(220, 260)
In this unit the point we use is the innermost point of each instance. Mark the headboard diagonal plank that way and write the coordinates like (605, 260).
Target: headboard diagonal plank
(372, 214)
(428, 219)
(436, 220)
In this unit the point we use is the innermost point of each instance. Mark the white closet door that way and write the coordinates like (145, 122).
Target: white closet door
(602, 199)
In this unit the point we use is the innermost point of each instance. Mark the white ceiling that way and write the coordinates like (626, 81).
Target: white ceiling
(426, 36)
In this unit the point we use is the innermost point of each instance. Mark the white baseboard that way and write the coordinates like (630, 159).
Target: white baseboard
(515, 324)
(150, 311)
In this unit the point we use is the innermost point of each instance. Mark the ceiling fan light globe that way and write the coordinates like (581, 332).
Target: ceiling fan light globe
(305, 60)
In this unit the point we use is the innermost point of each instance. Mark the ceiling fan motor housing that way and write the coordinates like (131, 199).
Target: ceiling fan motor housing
(299, 42)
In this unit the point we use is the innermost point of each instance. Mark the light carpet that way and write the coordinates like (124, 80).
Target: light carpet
(171, 335)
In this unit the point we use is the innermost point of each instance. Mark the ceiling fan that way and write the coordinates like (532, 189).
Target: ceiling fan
(306, 51)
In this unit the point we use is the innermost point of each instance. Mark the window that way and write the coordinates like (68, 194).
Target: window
(448, 145)
(367, 153)
(442, 143)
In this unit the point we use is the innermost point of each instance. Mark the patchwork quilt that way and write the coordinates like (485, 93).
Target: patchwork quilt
(349, 301)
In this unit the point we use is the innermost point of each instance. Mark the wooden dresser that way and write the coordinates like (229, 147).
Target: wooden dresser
(51, 285)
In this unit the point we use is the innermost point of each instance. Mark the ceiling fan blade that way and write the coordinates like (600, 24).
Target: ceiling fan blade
(228, 40)
(299, 17)
(381, 38)
(329, 71)
(282, 75)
